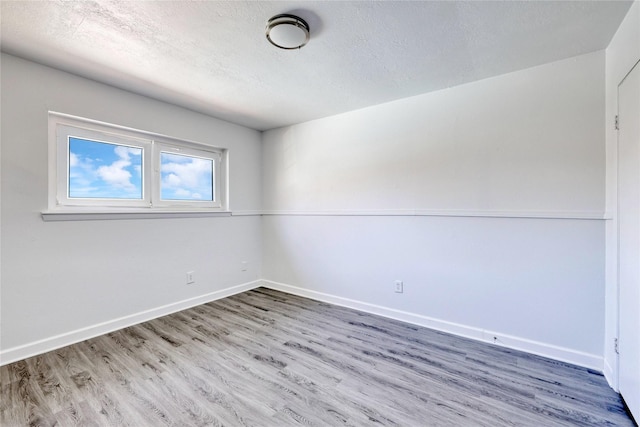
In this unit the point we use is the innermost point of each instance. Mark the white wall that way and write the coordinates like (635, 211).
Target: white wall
(485, 199)
(522, 145)
(59, 278)
(621, 54)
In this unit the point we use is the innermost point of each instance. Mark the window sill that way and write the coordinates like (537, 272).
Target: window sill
(86, 215)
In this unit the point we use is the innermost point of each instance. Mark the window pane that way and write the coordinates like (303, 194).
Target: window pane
(100, 170)
(185, 177)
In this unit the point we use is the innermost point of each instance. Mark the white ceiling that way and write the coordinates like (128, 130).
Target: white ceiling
(213, 57)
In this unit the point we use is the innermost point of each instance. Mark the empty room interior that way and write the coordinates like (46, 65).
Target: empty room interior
(256, 213)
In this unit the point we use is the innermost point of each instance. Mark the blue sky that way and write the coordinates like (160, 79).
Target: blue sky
(101, 170)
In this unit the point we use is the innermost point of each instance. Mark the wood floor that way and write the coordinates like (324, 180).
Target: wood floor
(265, 358)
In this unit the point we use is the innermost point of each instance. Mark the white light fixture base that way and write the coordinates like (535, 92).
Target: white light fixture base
(287, 31)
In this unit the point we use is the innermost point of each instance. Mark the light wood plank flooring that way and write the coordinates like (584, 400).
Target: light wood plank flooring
(265, 358)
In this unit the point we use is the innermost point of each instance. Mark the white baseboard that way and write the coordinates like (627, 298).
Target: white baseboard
(547, 350)
(610, 375)
(38, 347)
(535, 347)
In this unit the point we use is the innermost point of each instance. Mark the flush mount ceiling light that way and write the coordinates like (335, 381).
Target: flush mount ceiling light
(287, 31)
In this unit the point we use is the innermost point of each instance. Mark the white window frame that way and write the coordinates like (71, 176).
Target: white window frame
(63, 126)
(64, 132)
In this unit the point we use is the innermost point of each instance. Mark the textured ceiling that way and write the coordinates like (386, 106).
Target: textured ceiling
(212, 56)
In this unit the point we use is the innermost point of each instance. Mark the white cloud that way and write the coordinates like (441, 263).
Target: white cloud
(81, 171)
(172, 180)
(191, 175)
(73, 159)
(123, 152)
(115, 173)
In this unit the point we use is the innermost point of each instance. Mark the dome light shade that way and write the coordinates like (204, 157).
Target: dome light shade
(287, 31)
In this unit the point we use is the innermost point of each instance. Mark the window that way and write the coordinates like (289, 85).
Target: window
(97, 165)
(103, 170)
(186, 176)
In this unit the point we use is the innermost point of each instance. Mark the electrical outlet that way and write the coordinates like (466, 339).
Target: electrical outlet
(399, 286)
(191, 278)
(244, 265)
